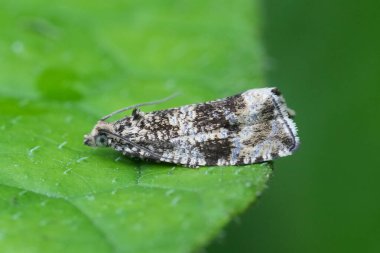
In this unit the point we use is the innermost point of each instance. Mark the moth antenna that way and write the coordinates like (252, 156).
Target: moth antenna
(139, 105)
(134, 144)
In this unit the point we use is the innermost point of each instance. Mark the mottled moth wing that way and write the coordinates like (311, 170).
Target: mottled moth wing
(250, 127)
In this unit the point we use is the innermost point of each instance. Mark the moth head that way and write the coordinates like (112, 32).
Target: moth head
(98, 136)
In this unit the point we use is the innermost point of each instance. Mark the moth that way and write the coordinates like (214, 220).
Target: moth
(251, 127)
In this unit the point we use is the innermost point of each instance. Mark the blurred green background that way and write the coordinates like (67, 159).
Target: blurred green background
(325, 55)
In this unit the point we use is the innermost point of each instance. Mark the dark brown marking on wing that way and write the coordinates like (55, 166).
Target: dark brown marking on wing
(213, 150)
(293, 137)
(211, 116)
(260, 134)
(158, 122)
(276, 92)
(268, 112)
(259, 159)
(287, 141)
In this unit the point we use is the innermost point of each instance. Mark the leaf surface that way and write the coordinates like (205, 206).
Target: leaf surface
(65, 65)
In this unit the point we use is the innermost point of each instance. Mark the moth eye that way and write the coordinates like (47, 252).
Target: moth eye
(101, 140)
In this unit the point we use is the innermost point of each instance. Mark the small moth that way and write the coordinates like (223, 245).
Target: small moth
(246, 128)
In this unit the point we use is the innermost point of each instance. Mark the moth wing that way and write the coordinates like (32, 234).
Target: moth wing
(250, 127)
(267, 132)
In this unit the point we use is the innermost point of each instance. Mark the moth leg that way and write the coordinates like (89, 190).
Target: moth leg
(291, 113)
(190, 166)
(137, 114)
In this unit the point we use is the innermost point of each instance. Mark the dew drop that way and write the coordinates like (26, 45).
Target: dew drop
(175, 201)
(60, 146)
(169, 192)
(16, 216)
(67, 221)
(15, 120)
(90, 197)
(67, 171)
(170, 172)
(209, 170)
(137, 226)
(22, 193)
(23, 102)
(43, 223)
(69, 119)
(17, 47)
(170, 84)
(74, 227)
(32, 150)
(82, 159)
(185, 225)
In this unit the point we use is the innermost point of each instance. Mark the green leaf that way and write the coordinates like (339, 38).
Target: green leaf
(64, 65)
